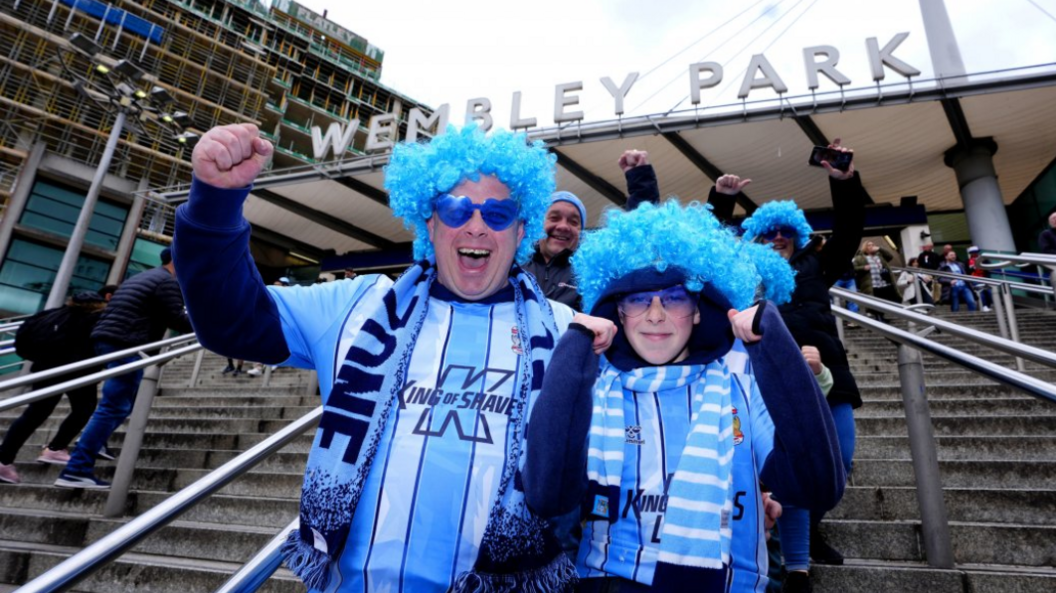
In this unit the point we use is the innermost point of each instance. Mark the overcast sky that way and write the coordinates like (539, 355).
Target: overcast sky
(454, 50)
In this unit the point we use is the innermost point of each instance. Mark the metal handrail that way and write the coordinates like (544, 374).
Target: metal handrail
(84, 563)
(92, 362)
(1012, 378)
(982, 338)
(92, 378)
(976, 279)
(1004, 260)
(252, 575)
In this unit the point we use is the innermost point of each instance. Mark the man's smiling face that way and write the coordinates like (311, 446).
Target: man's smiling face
(473, 261)
(562, 227)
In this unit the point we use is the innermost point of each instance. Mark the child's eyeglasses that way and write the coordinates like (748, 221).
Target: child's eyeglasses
(676, 301)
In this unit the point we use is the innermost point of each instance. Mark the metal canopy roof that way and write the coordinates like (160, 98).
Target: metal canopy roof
(900, 133)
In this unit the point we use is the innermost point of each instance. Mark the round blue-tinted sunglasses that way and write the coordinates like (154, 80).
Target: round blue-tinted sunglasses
(455, 211)
(785, 231)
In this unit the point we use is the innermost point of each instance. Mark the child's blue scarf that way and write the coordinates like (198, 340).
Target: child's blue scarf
(516, 552)
(696, 531)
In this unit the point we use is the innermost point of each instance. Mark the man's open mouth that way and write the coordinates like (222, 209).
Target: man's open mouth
(473, 258)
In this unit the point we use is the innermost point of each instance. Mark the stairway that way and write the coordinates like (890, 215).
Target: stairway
(997, 452)
(191, 432)
(997, 456)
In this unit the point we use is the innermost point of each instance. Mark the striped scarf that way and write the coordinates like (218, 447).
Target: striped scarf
(515, 552)
(696, 531)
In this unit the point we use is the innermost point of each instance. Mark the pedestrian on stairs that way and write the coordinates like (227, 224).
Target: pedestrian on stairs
(63, 337)
(141, 310)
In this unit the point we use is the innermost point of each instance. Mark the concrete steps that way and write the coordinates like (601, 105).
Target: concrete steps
(191, 431)
(997, 451)
(997, 460)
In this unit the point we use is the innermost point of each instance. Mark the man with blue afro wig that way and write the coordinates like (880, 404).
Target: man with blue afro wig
(666, 419)
(426, 382)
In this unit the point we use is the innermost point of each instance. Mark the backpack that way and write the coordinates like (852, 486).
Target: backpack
(45, 337)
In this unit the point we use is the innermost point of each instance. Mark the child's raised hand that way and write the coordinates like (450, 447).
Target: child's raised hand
(604, 330)
(743, 323)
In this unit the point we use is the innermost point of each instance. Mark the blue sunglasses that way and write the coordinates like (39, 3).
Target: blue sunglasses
(785, 231)
(455, 211)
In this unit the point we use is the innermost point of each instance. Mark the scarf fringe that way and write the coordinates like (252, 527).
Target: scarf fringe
(308, 563)
(556, 577)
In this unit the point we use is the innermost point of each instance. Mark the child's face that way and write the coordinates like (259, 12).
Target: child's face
(658, 324)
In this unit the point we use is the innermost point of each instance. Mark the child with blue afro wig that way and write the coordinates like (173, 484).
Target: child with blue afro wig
(418, 173)
(690, 240)
(663, 413)
(775, 215)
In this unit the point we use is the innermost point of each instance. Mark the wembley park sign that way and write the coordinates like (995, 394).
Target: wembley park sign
(820, 60)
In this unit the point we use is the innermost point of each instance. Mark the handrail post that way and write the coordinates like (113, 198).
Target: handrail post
(934, 521)
(313, 383)
(137, 425)
(1013, 326)
(999, 312)
(838, 302)
(197, 368)
(268, 369)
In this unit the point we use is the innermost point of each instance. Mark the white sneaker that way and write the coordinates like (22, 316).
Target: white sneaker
(986, 309)
(254, 371)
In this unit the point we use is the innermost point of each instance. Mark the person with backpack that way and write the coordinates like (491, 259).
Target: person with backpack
(51, 339)
(141, 310)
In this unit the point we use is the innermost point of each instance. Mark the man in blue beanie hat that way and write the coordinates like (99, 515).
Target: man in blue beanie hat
(565, 220)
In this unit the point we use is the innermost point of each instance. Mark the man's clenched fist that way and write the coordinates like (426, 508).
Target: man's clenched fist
(231, 156)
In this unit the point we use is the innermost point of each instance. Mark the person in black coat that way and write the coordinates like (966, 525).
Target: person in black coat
(818, 265)
(84, 309)
(139, 313)
(1047, 238)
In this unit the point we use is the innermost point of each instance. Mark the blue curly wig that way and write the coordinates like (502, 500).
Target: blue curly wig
(777, 214)
(418, 172)
(689, 238)
(778, 278)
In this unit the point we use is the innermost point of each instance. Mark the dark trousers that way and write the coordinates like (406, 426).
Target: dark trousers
(82, 404)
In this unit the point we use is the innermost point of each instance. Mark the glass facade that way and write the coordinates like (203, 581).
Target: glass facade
(1029, 214)
(54, 208)
(29, 271)
(145, 255)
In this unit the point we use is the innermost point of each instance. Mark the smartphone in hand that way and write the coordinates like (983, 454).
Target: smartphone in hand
(837, 158)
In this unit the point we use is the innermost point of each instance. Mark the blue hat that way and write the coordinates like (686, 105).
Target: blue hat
(565, 196)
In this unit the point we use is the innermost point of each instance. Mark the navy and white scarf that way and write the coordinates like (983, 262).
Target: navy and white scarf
(516, 552)
(696, 531)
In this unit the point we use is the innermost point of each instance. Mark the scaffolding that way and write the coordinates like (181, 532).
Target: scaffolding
(282, 67)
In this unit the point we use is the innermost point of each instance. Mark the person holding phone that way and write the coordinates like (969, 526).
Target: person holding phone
(783, 226)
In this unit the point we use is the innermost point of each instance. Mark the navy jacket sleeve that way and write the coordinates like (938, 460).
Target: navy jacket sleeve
(722, 205)
(848, 208)
(226, 299)
(1047, 241)
(555, 473)
(805, 467)
(642, 187)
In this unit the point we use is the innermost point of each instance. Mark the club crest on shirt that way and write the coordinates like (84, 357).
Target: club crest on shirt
(634, 435)
(515, 337)
(738, 434)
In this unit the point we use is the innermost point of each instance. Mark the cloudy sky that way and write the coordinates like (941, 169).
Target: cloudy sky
(451, 51)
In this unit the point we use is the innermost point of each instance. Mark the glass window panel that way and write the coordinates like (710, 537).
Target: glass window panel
(60, 194)
(30, 270)
(145, 255)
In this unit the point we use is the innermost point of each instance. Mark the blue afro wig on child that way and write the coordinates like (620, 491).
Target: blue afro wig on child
(419, 172)
(772, 215)
(688, 238)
